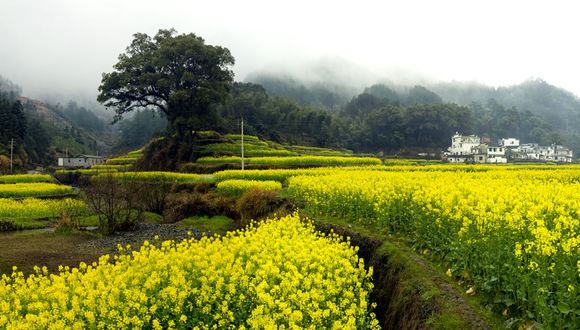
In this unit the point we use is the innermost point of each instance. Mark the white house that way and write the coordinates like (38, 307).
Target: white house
(81, 161)
(535, 152)
(463, 147)
(509, 143)
(496, 155)
(471, 149)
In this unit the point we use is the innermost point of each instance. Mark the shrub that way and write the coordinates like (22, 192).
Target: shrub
(4, 164)
(7, 225)
(117, 203)
(179, 206)
(256, 204)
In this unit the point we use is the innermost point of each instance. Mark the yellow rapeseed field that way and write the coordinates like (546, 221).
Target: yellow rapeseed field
(39, 208)
(238, 187)
(511, 231)
(22, 178)
(281, 274)
(33, 189)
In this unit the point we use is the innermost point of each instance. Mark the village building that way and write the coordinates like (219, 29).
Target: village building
(84, 161)
(473, 149)
(509, 143)
(536, 152)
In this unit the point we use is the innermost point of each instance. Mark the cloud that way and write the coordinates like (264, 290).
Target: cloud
(63, 46)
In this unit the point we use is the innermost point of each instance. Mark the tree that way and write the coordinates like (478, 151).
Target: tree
(178, 75)
(421, 95)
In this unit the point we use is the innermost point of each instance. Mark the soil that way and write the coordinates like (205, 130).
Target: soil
(45, 248)
(143, 232)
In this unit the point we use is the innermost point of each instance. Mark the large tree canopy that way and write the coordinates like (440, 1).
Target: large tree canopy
(178, 75)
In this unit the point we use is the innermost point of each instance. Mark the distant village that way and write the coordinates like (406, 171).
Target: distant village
(473, 149)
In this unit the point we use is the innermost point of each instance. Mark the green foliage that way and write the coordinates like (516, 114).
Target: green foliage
(255, 204)
(217, 224)
(181, 205)
(83, 118)
(139, 129)
(178, 75)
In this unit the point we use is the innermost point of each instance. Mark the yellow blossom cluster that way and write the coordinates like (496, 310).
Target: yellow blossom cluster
(23, 178)
(512, 231)
(159, 176)
(38, 208)
(299, 161)
(33, 189)
(238, 187)
(278, 275)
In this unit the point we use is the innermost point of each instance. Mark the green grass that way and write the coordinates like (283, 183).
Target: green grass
(150, 217)
(22, 224)
(219, 224)
(26, 223)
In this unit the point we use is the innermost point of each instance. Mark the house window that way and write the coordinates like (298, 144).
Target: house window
(480, 158)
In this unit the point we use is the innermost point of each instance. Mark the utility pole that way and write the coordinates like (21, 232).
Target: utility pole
(11, 153)
(242, 143)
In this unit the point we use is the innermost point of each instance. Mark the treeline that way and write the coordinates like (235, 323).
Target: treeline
(379, 119)
(553, 113)
(24, 131)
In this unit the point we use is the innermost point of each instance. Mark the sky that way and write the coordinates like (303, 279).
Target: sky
(63, 46)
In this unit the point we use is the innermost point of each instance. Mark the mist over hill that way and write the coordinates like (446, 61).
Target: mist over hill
(533, 99)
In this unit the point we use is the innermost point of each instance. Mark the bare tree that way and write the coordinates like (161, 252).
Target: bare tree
(116, 201)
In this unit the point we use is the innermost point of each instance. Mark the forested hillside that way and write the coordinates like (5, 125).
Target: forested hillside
(392, 119)
(533, 111)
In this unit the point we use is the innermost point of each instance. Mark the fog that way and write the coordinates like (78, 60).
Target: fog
(61, 47)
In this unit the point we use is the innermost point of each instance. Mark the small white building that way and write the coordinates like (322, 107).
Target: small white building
(85, 161)
(462, 148)
(496, 155)
(463, 144)
(535, 152)
(509, 143)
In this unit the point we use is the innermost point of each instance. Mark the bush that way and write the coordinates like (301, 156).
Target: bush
(117, 203)
(201, 187)
(153, 194)
(256, 204)
(179, 206)
(7, 225)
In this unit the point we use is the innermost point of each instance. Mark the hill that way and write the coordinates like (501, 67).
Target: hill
(554, 109)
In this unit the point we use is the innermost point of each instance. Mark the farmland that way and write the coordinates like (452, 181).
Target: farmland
(26, 199)
(507, 235)
(234, 281)
(514, 235)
